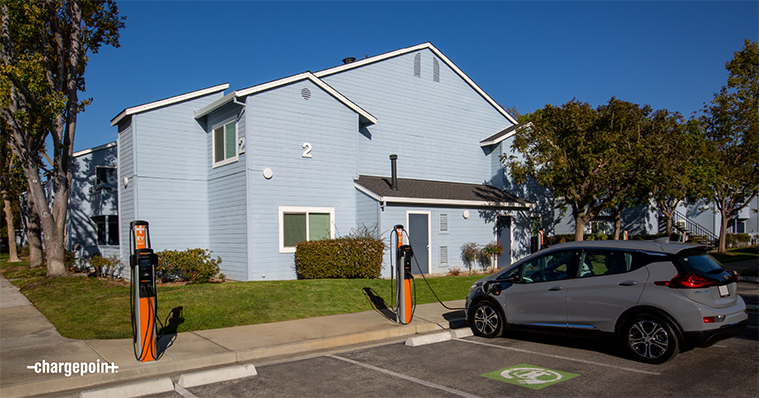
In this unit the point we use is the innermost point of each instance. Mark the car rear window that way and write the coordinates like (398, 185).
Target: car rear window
(701, 263)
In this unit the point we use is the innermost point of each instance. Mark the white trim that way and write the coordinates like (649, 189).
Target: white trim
(167, 101)
(302, 210)
(281, 82)
(452, 202)
(214, 163)
(90, 150)
(418, 47)
(429, 236)
(368, 192)
(505, 136)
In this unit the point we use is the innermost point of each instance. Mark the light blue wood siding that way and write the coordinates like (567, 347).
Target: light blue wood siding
(434, 127)
(126, 193)
(86, 199)
(167, 150)
(278, 123)
(367, 212)
(227, 199)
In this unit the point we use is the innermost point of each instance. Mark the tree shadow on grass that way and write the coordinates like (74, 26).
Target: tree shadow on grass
(379, 304)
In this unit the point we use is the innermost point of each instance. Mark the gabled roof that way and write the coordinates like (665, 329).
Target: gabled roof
(428, 46)
(412, 191)
(167, 101)
(503, 134)
(365, 116)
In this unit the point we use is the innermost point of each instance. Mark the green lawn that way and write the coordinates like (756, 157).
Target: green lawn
(744, 253)
(88, 308)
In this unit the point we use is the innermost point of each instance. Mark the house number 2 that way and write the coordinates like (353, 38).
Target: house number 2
(307, 149)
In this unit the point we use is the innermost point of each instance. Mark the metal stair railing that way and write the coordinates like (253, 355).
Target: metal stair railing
(691, 227)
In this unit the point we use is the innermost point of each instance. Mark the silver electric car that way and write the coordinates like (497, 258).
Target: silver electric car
(656, 298)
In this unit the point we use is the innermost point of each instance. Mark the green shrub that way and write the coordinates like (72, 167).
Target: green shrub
(194, 265)
(349, 257)
(111, 263)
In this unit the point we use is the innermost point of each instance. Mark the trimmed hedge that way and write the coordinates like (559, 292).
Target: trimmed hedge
(194, 265)
(354, 258)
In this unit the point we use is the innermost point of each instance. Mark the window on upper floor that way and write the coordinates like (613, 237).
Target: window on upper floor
(418, 65)
(443, 222)
(435, 70)
(105, 177)
(299, 224)
(225, 144)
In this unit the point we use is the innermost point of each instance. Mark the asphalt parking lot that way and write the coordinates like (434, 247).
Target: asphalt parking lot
(514, 365)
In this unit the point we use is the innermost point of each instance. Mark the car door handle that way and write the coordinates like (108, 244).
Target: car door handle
(628, 283)
(555, 288)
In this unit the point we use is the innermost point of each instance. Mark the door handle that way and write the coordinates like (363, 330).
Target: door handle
(555, 288)
(628, 283)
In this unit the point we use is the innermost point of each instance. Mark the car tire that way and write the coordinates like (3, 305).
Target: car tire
(650, 339)
(486, 320)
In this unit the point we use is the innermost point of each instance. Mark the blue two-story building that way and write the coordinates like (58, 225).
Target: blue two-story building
(250, 173)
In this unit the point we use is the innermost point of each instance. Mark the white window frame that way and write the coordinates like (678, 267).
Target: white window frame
(302, 210)
(213, 144)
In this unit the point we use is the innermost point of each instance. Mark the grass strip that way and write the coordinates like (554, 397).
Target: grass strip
(88, 308)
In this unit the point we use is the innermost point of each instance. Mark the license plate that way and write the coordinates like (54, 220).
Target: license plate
(724, 291)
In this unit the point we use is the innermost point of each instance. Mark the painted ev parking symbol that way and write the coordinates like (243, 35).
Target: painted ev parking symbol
(530, 376)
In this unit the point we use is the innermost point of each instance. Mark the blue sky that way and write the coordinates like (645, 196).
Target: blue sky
(525, 54)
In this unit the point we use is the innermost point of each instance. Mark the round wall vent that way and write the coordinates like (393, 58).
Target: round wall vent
(306, 93)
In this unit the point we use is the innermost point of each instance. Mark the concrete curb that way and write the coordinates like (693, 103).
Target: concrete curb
(216, 375)
(417, 341)
(131, 390)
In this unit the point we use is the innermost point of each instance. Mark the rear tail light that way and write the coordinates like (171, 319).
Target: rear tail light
(714, 319)
(687, 281)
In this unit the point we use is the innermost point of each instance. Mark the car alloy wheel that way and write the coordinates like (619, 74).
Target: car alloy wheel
(486, 320)
(651, 340)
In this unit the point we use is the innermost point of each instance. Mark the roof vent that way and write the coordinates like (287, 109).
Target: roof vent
(349, 60)
(394, 172)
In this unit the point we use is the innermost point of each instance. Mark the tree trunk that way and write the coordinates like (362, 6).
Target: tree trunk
(12, 252)
(723, 232)
(33, 234)
(579, 227)
(617, 224)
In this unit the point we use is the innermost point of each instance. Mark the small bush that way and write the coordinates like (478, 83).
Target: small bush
(111, 263)
(194, 265)
(470, 251)
(348, 257)
(489, 252)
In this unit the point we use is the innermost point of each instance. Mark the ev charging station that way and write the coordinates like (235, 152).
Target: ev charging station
(143, 263)
(404, 283)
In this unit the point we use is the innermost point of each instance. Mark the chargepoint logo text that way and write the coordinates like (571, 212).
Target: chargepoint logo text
(69, 368)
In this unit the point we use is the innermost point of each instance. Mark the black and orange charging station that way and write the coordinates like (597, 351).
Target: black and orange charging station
(404, 283)
(143, 263)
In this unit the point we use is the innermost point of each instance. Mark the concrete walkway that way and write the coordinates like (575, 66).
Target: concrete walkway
(28, 338)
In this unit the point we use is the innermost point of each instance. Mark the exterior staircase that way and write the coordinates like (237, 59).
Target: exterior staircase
(694, 231)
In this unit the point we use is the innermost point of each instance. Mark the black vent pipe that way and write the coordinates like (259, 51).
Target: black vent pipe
(394, 175)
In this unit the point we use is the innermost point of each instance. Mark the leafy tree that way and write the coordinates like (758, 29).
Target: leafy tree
(678, 168)
(731, 126)
(45, 46)
(589, 157)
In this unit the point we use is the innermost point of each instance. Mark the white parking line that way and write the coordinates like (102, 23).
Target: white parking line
(404, 377)
(560, 357)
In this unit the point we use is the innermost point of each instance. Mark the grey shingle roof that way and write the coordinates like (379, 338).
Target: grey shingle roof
(439, 192)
